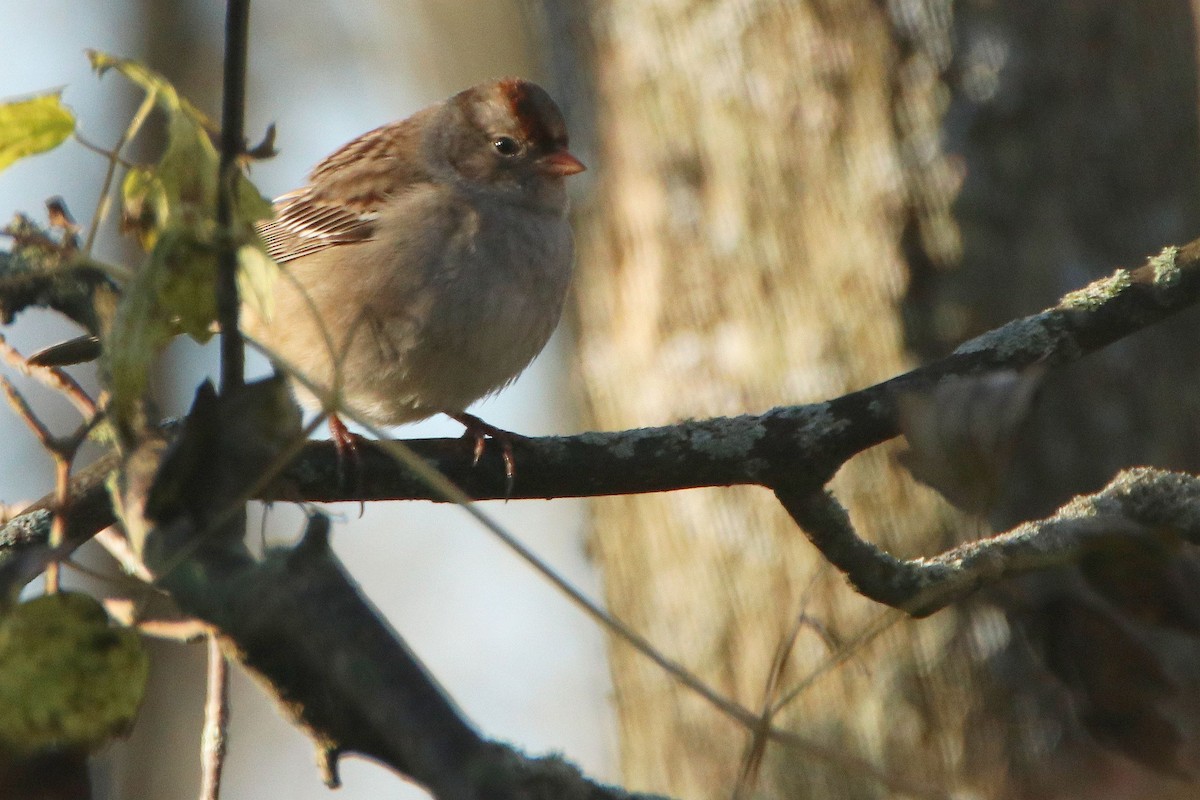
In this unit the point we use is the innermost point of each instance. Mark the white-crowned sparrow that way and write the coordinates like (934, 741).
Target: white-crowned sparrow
(428, 259)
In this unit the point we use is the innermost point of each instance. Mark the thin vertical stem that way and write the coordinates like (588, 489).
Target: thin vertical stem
(237, 24)
(216, 721)
(58, 525)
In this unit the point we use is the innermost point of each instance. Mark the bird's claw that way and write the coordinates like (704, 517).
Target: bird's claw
(480, 432)
(346, 443)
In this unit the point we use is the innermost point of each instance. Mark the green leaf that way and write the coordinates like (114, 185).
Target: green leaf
(68, 679)
(32, 126)
(171, 206)
(186, 175)
(257, 273)
(173, 292)
(251, 205)
(186, 281)
(187, 171)
(145, 202)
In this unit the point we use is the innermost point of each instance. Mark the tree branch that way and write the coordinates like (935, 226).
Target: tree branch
(794, 448)
(1139, 505)
(399, 715)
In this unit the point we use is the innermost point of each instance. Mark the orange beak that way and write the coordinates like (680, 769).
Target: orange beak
(560, 163)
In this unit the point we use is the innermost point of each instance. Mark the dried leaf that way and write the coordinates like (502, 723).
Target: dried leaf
(1154, 582)
(1122, 689)
(961, 433)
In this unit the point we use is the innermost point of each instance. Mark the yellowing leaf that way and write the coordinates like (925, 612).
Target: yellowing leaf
(171, 206)
(174, 291)
(187, 281)
(251, 205)
(32, 126)
(187, 171)
(154, 84)
(257, 273)
(145, 201)
(68, 679)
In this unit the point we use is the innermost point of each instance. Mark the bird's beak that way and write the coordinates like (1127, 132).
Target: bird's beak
(560, 163)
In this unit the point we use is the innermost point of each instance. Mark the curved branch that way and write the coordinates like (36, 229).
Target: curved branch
(793, 450)
(797, 448)
(1140, 505)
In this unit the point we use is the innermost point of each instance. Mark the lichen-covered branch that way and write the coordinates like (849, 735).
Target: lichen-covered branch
(796, 448)
(295, 618)
(1143, 504)
(400, 716)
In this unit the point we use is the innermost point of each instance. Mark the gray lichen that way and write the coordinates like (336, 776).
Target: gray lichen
(1166, 267)
(1097, 293)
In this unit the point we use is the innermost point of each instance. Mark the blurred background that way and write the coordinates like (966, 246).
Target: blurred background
(786, 201)
(521, 662)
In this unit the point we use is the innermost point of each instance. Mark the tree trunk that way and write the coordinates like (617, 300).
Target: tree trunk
(776, 219)
(742, 249)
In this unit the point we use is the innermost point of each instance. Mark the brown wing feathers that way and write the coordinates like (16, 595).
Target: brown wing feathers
(345, 192)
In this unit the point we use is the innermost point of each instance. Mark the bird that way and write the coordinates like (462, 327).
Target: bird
(426, 262)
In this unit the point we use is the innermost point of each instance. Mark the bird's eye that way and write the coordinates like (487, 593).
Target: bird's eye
(506, 146)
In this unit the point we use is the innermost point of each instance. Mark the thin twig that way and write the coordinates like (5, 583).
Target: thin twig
(216, 720)
(756, 748)
(58, 525)
(21, 406)
(51, 377)
(237, 23)
(114, 159)
(63, 452)
(122, 552)
(103, 151)
(885, 620)
(181, 631)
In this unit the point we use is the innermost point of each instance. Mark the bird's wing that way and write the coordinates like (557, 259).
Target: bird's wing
(346, 192)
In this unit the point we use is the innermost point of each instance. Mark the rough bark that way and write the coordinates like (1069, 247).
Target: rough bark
(743, 248)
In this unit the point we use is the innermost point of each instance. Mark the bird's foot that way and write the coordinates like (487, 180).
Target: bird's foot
(480, 432)
(349, 457)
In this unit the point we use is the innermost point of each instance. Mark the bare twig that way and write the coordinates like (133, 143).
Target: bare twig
(21, 406)
(182, 630)
(114, 160)
(119, 548)
(237, 23)
(63, 452)
(62, 500)
(760, 734)
(52, 377)
(99, 150)
(216, 720)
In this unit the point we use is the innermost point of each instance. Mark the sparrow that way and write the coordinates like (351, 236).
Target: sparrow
(425, 263)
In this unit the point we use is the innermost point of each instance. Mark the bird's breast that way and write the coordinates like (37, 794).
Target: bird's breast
(499, 295)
